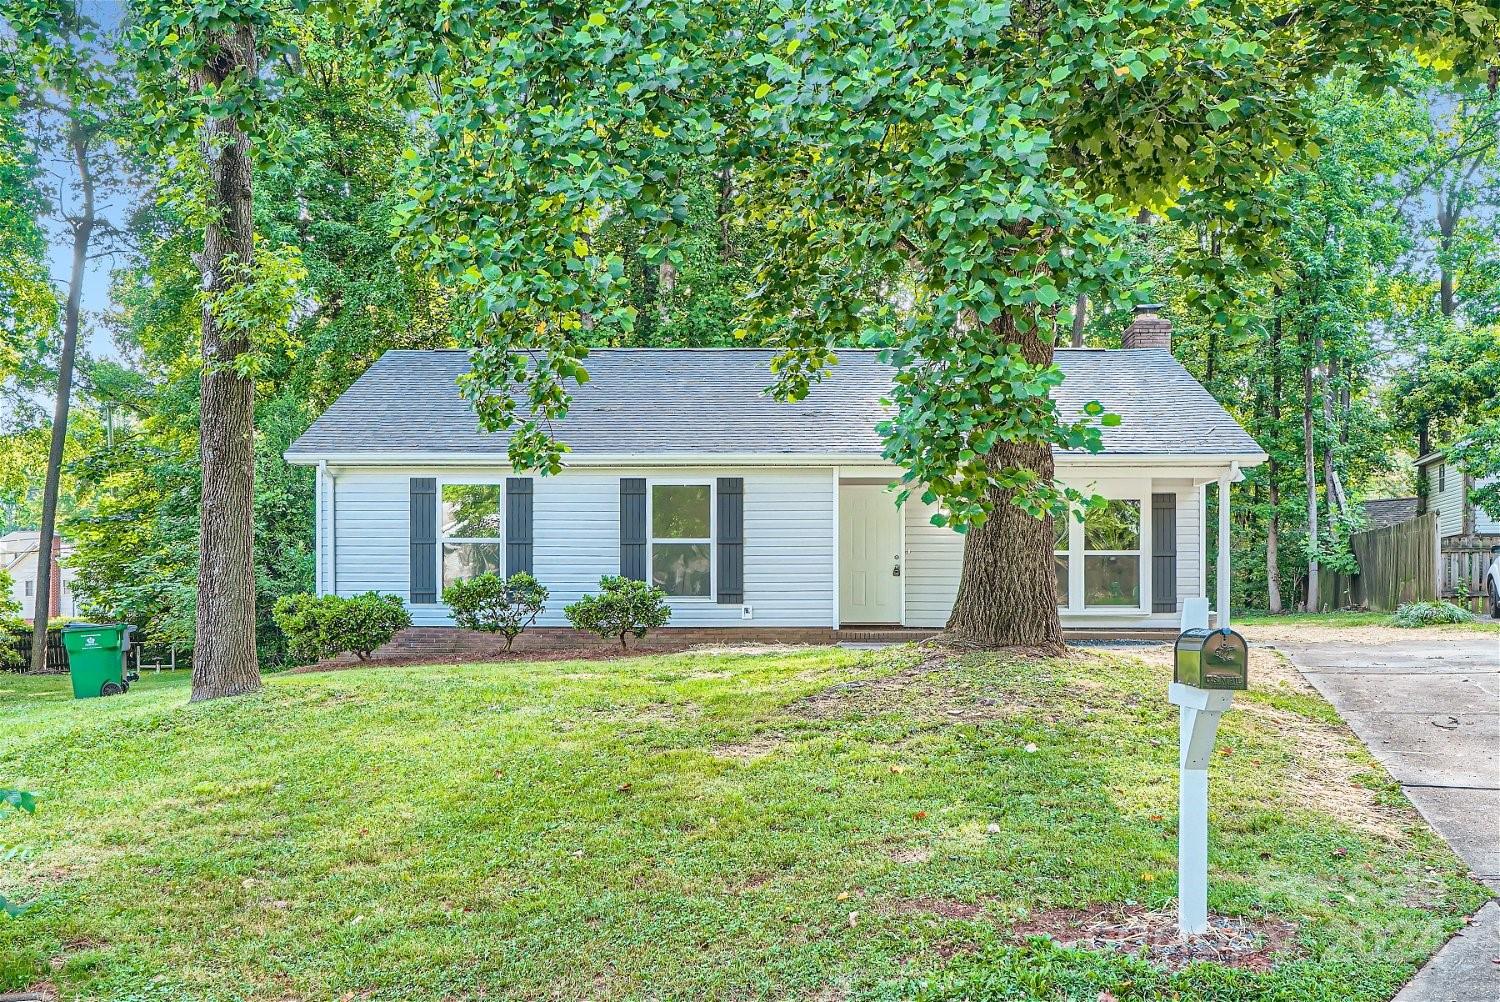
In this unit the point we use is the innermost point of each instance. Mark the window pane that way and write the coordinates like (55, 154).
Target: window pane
(469, 560)
(471, 510)
(1117, 526)
(1062, 579)
(679, 511)
(1060, 525)
(1112, 581)
(681, 569)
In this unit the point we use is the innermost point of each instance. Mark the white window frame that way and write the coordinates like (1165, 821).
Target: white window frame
(1139, 491)
(467, 481)
(713, 534)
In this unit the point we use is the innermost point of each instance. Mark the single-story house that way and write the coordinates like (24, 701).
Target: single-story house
(747, 511)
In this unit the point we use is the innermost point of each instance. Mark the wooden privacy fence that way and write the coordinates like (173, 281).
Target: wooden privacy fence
(57, 658)
(1397, 564)
(1463, 564)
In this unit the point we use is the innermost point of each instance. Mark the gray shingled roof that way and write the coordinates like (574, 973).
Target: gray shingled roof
(1384, 512)
(666, 401)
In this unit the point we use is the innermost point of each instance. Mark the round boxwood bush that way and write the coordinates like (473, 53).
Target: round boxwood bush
(624, 607)
(492, 604)
(319, 627)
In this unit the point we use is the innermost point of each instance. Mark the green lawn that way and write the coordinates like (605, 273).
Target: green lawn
(688, 827)
(1342, 620)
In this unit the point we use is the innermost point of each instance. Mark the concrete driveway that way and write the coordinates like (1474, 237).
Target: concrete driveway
(1429, 709)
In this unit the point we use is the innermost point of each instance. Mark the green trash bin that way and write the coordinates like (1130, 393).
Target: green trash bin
(96, 658)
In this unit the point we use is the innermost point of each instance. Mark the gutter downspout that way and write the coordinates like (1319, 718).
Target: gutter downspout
(318, 528)
(333, 533)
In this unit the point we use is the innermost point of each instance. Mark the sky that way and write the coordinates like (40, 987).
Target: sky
(96, 340)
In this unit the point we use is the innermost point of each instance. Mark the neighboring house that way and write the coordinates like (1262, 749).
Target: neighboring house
(18, 558)
(750, 512)
(1466, 533)
(1382, 513)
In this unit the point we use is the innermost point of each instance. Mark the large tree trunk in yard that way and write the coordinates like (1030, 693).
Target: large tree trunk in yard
(1007, 592)
(46, 571)
(1273, 472)
(1310, 478)
(1273, 546)
(224, 659)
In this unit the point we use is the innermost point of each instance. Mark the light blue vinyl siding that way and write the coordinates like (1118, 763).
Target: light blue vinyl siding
(576, 539)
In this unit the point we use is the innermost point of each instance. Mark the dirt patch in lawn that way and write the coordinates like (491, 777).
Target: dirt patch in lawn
(1252, 944)
(945, 908)
(759, 746)
(1363, 635)
(930, 690)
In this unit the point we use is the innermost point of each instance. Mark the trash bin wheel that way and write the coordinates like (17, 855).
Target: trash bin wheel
(110, 689)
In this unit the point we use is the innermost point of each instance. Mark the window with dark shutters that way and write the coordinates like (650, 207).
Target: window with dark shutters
(423, 540)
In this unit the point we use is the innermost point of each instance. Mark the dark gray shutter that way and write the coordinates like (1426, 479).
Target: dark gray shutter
(423, 540)
(1164, 553)
(633, 528)
(517, 525)
(731, 541)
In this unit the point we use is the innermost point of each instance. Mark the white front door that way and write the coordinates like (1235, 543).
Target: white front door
(869, 556)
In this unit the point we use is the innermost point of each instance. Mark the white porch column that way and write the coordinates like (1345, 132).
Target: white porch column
(1222, 576)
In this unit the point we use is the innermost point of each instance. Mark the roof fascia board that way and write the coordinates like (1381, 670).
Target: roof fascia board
(1171, 459)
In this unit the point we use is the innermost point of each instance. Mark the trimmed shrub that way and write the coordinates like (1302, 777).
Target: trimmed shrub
(323, 627)
(492, 604)
(624, 607)
(1415, 614)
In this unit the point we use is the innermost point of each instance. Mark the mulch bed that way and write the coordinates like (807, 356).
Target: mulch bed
(599, 652)
(1251, 944)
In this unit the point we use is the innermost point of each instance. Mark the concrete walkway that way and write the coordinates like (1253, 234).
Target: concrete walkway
(1429, 709)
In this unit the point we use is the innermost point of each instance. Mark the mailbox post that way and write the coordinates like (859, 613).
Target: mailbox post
(1209, 666)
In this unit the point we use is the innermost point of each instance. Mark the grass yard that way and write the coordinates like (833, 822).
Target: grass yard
(1358, 620)
(695, 826)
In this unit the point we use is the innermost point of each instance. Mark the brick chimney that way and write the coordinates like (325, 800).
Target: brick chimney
(1149, 329)
(54, 596)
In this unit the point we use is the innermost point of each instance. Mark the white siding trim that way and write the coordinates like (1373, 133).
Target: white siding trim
(333, 534)
(833, 597)
(318, 528)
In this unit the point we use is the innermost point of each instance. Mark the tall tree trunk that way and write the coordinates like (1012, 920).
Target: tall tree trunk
(1273, 470)
(224, 658)
(1273, 541)
(1007, 594)
(1080, 318)
(1447, 220)
(726, 204)
(83, 231)
(1310, 478)
(1333, 488)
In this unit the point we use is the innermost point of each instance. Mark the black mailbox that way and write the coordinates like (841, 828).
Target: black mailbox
(1212, 659)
